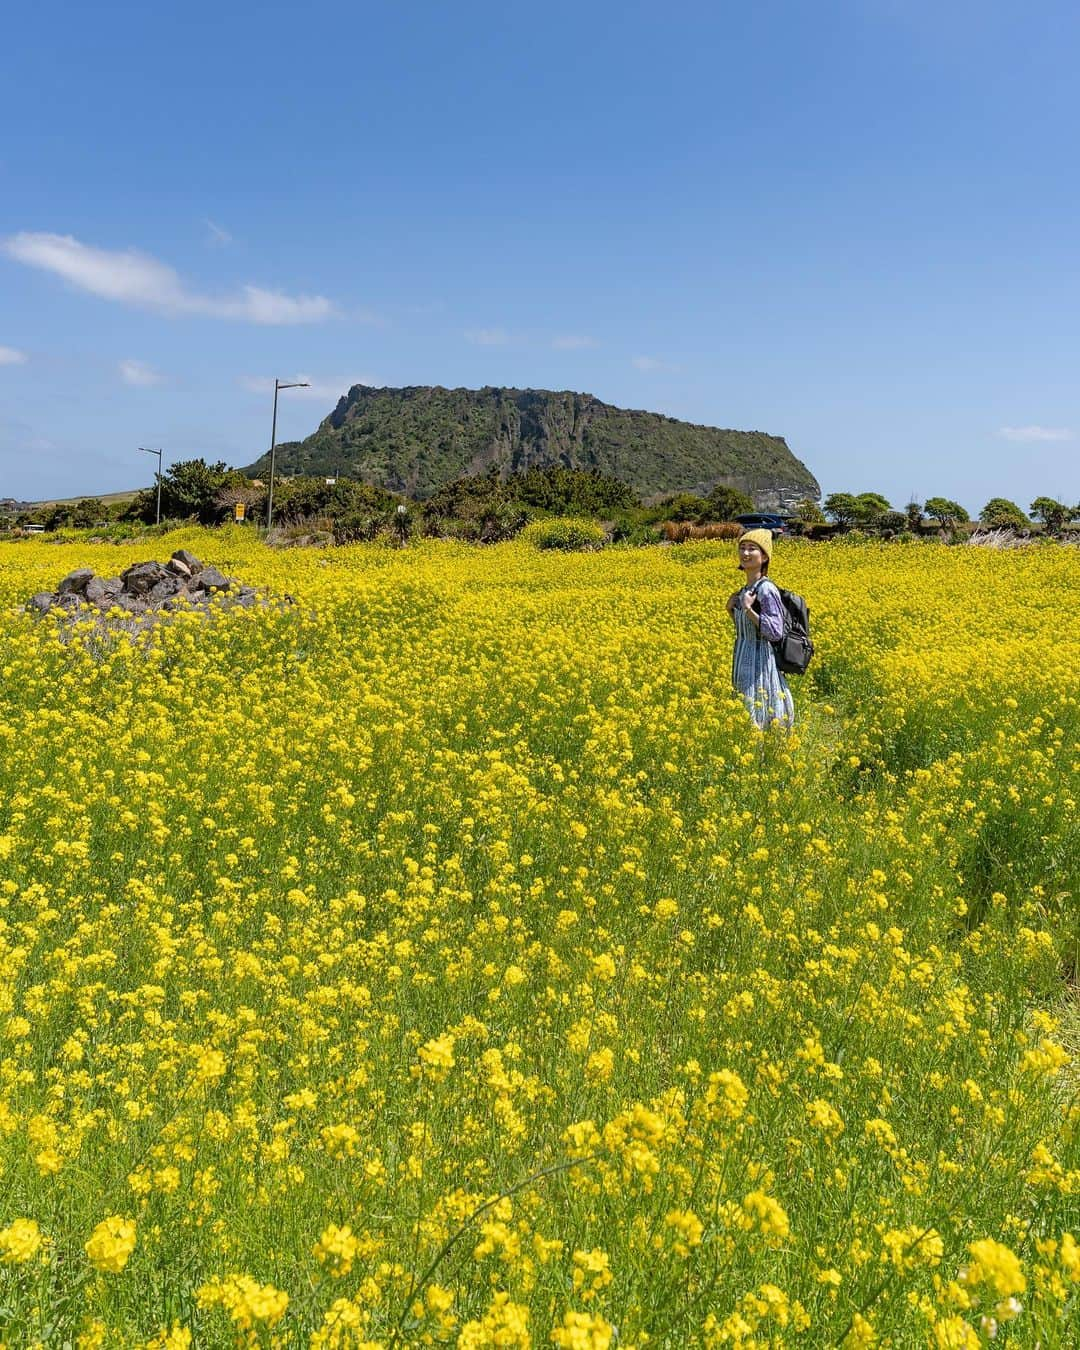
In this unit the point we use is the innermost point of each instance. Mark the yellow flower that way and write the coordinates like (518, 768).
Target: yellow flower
(953, 1333)
(340, 1140)
(248, 1303)
(437, 1057)
(1046, 1058)
(337, 1248)
(111, 1243)
(504, 1324)
(825, 1118)
(770, 1218)
(582, 1331)
(600, 1065)
(20, 1242)
(603, 967)
(688, 1227)
(862, 1334)
(176, 1337)
(210, 1067)
(913, 1246)
(592, 1273)
(997, 1265)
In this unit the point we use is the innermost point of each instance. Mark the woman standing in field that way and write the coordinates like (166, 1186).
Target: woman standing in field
(753, 665)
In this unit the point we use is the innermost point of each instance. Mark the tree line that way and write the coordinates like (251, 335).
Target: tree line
(870, 510)
(488, 507)
(481, 508)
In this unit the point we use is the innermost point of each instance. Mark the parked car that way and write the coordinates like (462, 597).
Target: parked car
(764, 520)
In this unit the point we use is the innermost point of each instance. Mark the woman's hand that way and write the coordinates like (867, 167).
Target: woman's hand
(748, 600)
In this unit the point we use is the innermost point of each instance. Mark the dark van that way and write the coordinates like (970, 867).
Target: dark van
(764, 520)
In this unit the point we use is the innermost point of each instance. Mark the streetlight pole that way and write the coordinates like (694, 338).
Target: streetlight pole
(158, 453)
(297, 384)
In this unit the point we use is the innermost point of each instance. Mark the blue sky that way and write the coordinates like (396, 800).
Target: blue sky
(852, 223)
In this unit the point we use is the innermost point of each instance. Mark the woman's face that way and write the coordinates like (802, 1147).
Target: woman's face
(750, 557)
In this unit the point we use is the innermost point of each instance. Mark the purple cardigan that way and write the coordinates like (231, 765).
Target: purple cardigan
(771, 611)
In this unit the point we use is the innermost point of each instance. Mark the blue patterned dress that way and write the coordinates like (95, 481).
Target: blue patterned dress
(753, 666)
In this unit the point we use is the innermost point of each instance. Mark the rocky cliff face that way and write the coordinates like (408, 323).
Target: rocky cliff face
(417, 439)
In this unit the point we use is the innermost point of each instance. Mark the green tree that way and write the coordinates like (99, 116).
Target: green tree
(946, 512)
(189, 487)
(465, 498)
(684, 506)
(86, 513)
(1000, 513)
(725, 503)
(892, 521)
(1054, 515)
(843, 507)
(79, 515)
(297, 498)
(807, 512)
(477, 507)
(913, 511)
(871, 506)
(571, 492)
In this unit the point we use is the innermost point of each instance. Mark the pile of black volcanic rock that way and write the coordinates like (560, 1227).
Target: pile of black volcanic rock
(146, 588)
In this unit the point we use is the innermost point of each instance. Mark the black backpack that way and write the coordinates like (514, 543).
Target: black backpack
(794, 649)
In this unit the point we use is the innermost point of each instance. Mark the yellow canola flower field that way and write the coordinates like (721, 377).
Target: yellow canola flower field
(445, 959)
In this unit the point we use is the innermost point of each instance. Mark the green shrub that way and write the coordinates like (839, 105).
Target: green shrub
(564, 533)
(725, 503)
(892, 520)
(353, 527)
(683, 506)
(628, 532)
(582, 492)
(807, 512)
(1000, 513)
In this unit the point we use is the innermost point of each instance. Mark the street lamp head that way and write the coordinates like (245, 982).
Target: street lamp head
(278, 386)
(147, 451)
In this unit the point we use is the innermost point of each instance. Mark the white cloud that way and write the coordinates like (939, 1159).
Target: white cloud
(140, 374)
(651, 363)
(1036, 433)
(573, 342)
(9, 356)
(134, 278)
(217, 234)
(488, 337)
(320, 389)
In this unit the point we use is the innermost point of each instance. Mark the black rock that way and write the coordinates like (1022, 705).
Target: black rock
(188, 559)
(146, 590)
(142, 577)
(75, 582)
(211, 579)
(168, 586)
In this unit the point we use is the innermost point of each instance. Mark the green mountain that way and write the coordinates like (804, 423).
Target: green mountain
(416, 439)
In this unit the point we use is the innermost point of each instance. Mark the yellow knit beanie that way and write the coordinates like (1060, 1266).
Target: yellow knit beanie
(763, 539)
